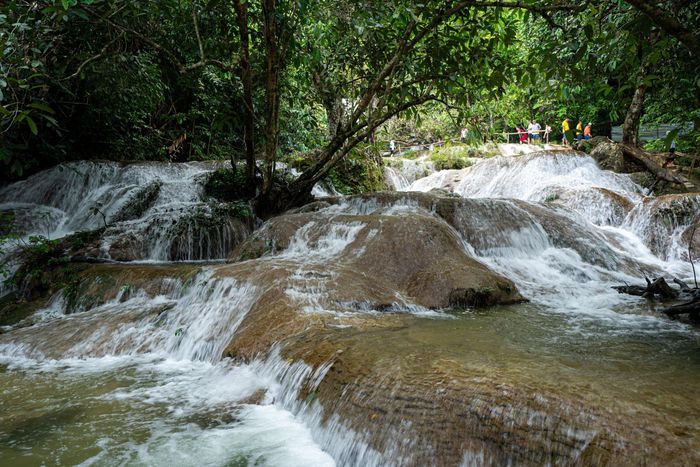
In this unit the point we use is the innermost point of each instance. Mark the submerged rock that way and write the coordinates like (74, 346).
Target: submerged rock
(325, 264)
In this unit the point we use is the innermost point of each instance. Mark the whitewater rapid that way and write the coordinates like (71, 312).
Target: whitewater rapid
(560, 228)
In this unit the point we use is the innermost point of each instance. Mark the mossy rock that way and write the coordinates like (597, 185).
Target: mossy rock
(452, 157)
(361, 171)
(226, 185)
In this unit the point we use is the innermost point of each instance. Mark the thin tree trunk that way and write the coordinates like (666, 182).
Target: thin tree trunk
(247, 81)
(630, 131)
(272, 96)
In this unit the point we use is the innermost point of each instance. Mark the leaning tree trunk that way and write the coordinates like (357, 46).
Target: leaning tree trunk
(247, 81)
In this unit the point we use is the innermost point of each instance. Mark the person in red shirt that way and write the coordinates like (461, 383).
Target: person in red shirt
(523, 134)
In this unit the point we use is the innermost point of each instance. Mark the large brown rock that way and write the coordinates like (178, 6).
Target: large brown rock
(387, 263)
(407, 393)
(609, 156)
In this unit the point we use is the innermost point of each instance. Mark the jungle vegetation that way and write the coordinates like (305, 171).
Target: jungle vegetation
(321, 81)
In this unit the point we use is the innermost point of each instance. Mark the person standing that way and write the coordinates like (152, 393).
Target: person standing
(565, 126)
(579, 131)
(523, 134)
(463, 135)
(587, 131)
(535, 131)
(530, 129)
(547, 131)
(670, 160)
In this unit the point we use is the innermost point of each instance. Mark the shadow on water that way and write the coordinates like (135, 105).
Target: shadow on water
(24, 432)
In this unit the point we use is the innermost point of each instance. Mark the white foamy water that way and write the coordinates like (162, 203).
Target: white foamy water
(153, 211)
(604, 211)
(399, 173)
(151, 367)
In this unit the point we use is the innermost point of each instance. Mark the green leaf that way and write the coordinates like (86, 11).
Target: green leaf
(81, 14)
(32, 125)
(42, 107)
(65, 4)
(570, 136)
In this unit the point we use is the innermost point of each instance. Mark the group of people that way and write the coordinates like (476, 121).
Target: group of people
(532, 135)
(534, 132)
(581, 131)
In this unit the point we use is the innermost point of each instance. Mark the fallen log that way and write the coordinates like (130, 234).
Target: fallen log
(644, 158)
(658, 287)
(684, 287)
(692, 307)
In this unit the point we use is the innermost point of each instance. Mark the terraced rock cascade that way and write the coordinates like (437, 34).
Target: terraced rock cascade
(470, 325)
(150, 211)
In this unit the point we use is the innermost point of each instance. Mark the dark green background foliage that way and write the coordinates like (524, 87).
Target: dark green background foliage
(122, 80)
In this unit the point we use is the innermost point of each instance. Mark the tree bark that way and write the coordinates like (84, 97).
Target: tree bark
(272, 95)
(630, 131)
(642, 157)
(247, 82)
(691, 307)
(335, 111)
(658, 287)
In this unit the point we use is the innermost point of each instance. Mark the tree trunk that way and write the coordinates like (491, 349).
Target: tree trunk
(247, 82)
(272, 95)
(335, 112)
(643, 158)
(630, 132)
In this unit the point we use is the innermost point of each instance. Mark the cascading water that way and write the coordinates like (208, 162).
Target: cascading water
(153, 211)
(326, 375)
(400, 173)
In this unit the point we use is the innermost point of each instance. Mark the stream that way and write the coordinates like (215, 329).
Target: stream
(303, 355)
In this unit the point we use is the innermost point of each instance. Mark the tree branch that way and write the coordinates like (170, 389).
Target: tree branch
(196, 31)
(94, 57)
(669, 25)
(181, 67)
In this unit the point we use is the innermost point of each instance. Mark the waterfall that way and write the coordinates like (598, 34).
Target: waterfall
(336, 358)
(399, 173)
(152, 211)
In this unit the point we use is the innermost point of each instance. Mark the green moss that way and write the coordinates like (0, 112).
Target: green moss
(14, 309)
(82, 239)
(359, 172)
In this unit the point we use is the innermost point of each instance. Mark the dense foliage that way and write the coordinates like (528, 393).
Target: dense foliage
(244, 80)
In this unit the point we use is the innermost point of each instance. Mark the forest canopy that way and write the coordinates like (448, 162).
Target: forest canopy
(257, 80)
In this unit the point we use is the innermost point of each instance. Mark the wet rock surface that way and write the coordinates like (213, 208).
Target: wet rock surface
(609, 156)
(426, 406)
(665, 221)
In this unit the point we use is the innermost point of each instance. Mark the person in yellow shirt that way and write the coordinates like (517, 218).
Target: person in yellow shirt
(564, 128)
(579, 130)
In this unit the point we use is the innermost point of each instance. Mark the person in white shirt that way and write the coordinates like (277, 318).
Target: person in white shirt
(535, 132)
(547, 131)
